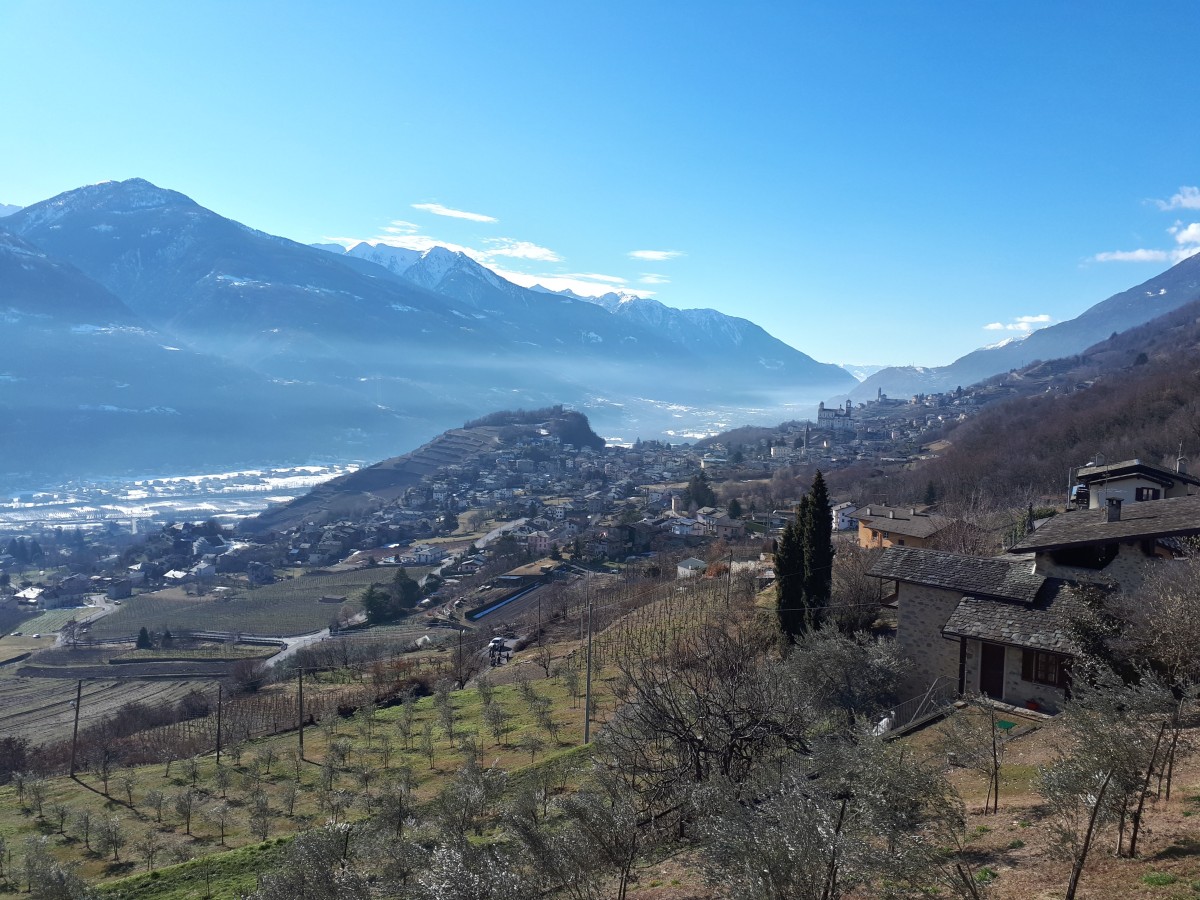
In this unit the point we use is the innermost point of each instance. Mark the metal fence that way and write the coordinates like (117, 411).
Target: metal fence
(916, 710)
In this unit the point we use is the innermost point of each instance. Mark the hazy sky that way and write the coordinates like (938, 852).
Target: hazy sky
(872, 183)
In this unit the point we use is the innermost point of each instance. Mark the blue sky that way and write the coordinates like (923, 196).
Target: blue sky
(873, 183)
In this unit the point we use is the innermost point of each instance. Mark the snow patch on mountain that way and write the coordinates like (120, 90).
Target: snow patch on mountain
(1004, 343)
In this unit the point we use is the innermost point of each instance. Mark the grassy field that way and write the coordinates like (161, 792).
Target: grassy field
(288, 607)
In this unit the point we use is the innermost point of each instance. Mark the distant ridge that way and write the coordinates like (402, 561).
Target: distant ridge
(1161, 294)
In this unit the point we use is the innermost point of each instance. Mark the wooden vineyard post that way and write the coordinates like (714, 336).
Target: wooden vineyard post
(75, 731)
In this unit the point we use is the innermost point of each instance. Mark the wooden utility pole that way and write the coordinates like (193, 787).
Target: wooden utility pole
(587, 695)
(220, 697)
(300, 684)
(75, 732)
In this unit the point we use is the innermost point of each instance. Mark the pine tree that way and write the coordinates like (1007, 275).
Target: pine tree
(143, 640)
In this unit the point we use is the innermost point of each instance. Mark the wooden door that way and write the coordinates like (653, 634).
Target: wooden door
(991, 670)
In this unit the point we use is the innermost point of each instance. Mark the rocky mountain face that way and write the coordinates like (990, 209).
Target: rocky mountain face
(1163, 293)
(364, 351)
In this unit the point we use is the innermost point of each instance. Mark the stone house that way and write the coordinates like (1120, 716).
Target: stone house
(992, 625)
(1001, 626)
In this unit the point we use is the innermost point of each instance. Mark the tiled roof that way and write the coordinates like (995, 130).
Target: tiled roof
(1041, 625)
(902, 520)
(1147, 519)
(992, 577)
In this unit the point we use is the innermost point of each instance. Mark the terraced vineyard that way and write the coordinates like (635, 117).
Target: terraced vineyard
(41, 708)
(289, 607)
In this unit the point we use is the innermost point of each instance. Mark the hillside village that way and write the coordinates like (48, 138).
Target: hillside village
(607, 503)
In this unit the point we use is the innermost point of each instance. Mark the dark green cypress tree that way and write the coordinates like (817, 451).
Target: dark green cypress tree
(789, 575)
(818, 553)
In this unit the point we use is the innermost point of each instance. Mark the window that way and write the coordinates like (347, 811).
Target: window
(1147, 494)
(1051, 669)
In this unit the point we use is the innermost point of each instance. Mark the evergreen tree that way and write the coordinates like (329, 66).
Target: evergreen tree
(378, 605)
(817, 538)
(789, 576)
(405, 591)
(735, 508)
(143, 640)
(699, 492)
(804, 564)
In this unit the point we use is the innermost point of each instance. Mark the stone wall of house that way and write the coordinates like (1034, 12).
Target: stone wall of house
(1128, 569)
(1017, 691)
(920, 615)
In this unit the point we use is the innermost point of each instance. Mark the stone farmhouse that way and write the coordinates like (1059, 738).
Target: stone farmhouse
(1001, 626)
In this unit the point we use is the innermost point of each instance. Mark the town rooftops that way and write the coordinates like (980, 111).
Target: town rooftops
(902, 520)
(1043, 624)
(1174, 516)
(996, 577)
(1125, 468)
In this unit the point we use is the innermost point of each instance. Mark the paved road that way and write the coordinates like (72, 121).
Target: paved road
(295, 643)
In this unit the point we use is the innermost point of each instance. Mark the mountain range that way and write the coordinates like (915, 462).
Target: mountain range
(1161, 294)
(134, 301)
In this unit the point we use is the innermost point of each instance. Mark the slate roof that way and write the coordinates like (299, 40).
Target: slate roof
(1040, 625)
(1093, 474)
(1147, 519)
(1009, 579)
(902, 520)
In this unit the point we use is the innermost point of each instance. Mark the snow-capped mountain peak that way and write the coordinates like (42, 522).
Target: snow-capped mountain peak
(1004, 343)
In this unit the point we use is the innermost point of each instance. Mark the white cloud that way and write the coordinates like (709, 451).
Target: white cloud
(1188, 235)
(651, 278)
(655, 255)
(399, 226)
(1132, 256)
(1024, 324)
(438, 210)
(1187, 198)
(520, 250)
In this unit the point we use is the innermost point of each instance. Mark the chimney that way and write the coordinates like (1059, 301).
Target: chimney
(912, 510)
(1112, 511)
(1181, 466)
(891, 514)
